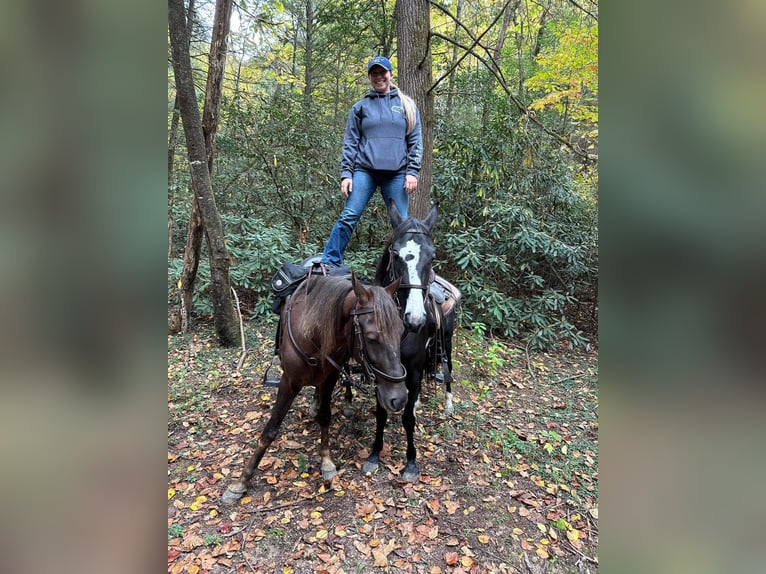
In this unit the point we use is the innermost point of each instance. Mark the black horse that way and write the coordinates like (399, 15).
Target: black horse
(427, 343)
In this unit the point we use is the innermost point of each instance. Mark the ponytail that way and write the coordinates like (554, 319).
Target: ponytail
(410, 111)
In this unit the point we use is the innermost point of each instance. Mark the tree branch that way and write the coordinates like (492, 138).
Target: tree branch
(469, 50)
(522, 108)
(589, 13)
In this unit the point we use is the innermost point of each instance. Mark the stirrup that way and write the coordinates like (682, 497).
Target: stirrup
(270, 381)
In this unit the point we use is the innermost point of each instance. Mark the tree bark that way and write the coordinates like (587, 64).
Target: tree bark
(224, 316)
(173, 142)
(413, 27)
(216, 68)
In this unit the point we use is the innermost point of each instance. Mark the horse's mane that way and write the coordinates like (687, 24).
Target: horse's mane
(382, 275)
(322, 318)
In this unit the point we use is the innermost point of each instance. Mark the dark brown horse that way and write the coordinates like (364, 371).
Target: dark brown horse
(325, 322)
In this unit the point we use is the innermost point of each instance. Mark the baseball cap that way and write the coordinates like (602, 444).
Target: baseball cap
(381, 61)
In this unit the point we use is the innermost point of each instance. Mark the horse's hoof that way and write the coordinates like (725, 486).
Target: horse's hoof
(369, 467)
(411, 473)
(411, 476)
(348, 412)
(329, 474)
(232, 494)
(328, 470)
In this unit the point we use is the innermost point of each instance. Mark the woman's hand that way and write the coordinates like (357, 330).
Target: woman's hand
(345, 186)
(410, 184)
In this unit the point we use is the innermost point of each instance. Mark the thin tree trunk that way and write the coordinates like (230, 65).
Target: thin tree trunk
(173, 142)
(216, 68)
(451, 82)
(508, 16)
(413, 28)
(224, 315)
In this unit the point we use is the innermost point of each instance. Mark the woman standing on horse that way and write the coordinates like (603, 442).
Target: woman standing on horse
(382, 147)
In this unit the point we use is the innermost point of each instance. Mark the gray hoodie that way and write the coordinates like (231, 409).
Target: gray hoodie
(375, 137)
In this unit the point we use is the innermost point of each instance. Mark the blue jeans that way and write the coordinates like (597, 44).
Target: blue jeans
(364, 185)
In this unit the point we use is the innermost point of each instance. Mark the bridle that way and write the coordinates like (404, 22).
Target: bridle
(404, 285)
(371, 370)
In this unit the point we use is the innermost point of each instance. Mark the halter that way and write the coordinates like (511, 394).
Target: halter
(371, 370)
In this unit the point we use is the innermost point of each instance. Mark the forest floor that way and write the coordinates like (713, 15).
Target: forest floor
(508, 483)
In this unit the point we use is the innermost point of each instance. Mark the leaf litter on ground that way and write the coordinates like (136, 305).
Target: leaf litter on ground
(509, 480)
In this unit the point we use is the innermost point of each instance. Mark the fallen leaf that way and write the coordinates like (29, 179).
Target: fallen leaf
(451, 558)
(483, 538)
(381, 559)
(192, 541)
(452, 541)
(362, 548)
(451, 506)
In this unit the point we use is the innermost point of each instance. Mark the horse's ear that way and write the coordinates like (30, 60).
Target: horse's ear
(360, 289)
(430, 219)
(394, 287)
(393, 213)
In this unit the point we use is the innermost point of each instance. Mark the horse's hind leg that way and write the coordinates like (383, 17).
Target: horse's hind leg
(447, 364)
(323, 418)
(285, 397)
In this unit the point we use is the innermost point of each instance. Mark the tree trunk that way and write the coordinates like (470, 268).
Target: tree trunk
(308, 68)
(216, 68)
(508, 15)
(224, 316)
(173, 142)
(451, 82)
(413, 27)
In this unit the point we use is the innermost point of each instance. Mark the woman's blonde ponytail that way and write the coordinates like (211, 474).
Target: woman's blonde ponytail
(410, 110)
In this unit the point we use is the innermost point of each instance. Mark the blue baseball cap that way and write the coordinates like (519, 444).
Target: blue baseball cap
(381, 61)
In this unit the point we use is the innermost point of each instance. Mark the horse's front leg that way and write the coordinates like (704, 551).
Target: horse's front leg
(372, 462)
(285, 397)
(324, 418)
(411, 472)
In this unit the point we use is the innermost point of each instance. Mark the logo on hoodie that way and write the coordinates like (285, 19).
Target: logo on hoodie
(397, 109)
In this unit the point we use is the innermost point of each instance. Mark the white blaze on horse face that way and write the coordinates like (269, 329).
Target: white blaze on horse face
(415, 312)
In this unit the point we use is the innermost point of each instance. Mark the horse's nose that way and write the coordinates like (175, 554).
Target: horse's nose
(397, 404)
(413, 321)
